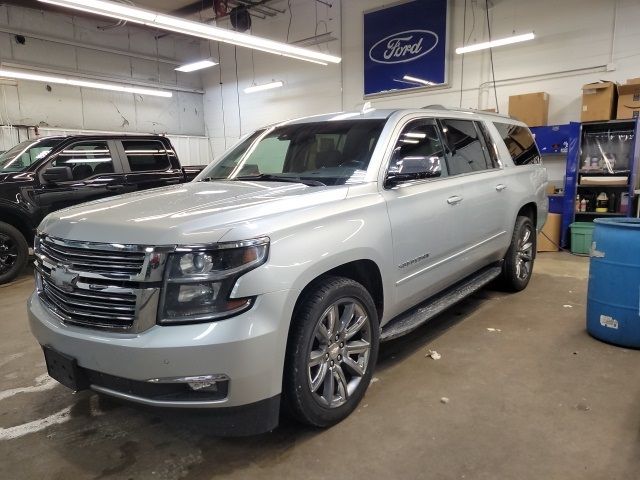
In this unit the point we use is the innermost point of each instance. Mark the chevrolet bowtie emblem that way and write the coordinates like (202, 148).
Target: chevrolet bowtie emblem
(63, 278)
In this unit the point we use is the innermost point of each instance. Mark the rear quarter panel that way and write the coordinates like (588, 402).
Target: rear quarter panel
(527, 183)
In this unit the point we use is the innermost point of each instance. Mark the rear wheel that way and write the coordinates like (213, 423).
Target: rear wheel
(14, 252)
(518, 262)
(331, 352)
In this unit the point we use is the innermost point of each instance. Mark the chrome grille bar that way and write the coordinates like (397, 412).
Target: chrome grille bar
(97, 285)
(98, 260)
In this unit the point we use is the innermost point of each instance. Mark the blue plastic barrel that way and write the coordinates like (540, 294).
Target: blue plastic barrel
(613, 299)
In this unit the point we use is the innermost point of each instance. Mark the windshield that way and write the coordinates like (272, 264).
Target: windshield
(20, 157)
(322, 153)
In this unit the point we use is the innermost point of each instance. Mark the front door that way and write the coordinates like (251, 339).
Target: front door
(425, 217)
(96, 174)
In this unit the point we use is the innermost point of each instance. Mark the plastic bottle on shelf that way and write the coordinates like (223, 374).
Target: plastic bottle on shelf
(612, 203)
(577, 203)
(602, 203)
(624, 202)
(583, 205)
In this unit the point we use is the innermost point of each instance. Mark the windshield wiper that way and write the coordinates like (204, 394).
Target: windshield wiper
(267, 177)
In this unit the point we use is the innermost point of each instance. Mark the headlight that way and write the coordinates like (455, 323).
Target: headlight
(199, 280)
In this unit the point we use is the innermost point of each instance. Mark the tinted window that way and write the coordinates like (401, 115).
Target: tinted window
(519, 142)
(332, 152)
(419, 149)
(466, 152)
(24, 154)
(86, 159)
(145, 155)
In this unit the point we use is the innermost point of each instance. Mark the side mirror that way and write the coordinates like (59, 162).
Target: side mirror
(57, 174)
(412, 168)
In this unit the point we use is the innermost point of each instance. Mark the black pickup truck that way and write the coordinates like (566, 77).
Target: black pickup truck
(42, 175)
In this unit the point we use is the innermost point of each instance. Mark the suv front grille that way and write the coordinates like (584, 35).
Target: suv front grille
(96, 285)
(86, 306)
(93, 260)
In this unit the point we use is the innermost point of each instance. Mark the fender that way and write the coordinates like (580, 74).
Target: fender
(300, 254)
(17, 217)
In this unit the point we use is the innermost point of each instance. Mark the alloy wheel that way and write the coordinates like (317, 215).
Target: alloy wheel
(8, 253)
(339, 353)
(524, 256)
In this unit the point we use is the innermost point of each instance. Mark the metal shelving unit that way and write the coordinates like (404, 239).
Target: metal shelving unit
(600, 149)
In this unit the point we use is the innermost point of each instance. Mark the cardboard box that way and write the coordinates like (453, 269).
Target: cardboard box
(551, 188)
(549, 237)
(530, 108)
(629, 99)
(598, 101)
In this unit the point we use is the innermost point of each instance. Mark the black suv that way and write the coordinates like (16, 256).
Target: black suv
(42, 175)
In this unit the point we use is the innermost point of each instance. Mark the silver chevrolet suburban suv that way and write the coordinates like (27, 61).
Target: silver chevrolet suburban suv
(273, 277)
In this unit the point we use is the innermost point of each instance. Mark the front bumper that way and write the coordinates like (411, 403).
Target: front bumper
(249, 349)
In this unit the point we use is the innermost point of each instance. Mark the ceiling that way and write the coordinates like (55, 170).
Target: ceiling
(156, 5)
(165, 5)
(181, 8)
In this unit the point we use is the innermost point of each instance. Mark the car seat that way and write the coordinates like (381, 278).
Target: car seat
(82, 171)
(102, 168)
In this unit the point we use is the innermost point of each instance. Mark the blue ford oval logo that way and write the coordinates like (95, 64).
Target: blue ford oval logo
(404, 46)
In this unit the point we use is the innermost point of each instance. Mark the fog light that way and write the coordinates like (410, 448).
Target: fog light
(197, 383)
(204, 386)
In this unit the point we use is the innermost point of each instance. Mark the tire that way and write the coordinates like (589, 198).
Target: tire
(345, 359)
(518, 262)
(14, 252)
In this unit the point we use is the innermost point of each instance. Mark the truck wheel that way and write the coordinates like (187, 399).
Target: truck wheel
(331, 352)
(518, 262)
(14, 252)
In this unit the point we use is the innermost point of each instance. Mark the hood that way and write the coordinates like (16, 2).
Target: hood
(190, 213)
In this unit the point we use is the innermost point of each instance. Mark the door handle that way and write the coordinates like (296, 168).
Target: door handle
(500, 187)
(454, 200)
(114, 187)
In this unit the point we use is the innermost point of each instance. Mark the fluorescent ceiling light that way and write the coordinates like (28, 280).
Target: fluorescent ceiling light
(196, 29)
(78, 82)
(496, 43)
(415, 135)
(264, 86)
(199, 65)
(421, 81)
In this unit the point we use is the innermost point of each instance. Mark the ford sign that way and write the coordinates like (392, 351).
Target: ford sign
(404, 46)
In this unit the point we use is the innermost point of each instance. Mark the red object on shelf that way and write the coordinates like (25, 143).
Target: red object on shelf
(221, 8)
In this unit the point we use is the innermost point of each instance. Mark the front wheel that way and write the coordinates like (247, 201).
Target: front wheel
(518, 262)
(331, 352)
(14, 252)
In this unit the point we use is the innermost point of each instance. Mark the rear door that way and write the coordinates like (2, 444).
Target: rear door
(96, 170)
(148, 163)
(484, 187)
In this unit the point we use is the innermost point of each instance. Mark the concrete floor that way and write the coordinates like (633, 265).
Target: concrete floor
(536, 399)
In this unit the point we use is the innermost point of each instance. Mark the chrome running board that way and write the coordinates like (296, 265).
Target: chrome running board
(420, 314)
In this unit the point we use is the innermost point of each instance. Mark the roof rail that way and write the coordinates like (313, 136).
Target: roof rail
(472, 110)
